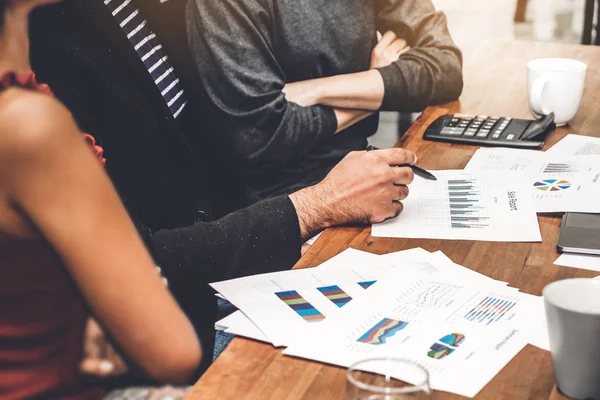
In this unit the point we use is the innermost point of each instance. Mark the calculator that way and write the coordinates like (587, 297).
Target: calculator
(483, 130)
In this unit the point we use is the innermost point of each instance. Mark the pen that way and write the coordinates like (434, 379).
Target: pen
(417, 170)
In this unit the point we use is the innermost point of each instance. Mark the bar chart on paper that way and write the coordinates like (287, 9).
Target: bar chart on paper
(493, 206)
(455, 204)
(489, 310)
(336, 295)
(366, 284)
(467, 207)
(302, 307)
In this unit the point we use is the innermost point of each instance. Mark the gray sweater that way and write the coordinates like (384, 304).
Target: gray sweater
(247, 50)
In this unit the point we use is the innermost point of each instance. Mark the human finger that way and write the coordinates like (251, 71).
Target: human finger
(398, 208)
(395, 156)
(92, 332)
(404, 50)
(397, 45)
(403, 175)
(96, 367)
(386, 40)
(401, 192)
(117, 361)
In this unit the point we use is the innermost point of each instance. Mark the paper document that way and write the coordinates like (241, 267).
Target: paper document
(463, 335)
(558, 184)
(282, 304)
(582, 261)
(576, 145)
(241, 325)
(435, 264)
(466, 206)
(537, 321)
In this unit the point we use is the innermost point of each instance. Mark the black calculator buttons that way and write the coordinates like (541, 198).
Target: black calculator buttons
(449, 131)
(493, 131)
(453, 122)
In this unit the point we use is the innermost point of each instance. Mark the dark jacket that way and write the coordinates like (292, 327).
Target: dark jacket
(247, 50)
(80, 51)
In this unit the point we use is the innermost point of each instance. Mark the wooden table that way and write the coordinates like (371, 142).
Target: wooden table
(495, 83)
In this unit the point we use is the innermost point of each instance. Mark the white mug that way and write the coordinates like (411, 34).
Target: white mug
(556, 85)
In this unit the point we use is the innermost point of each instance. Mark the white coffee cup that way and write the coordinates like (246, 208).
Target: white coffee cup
(556, 85)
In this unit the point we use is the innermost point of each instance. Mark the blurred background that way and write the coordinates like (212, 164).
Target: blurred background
(472, 22)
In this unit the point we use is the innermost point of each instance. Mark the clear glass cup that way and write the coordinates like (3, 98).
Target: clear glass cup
(362, 385)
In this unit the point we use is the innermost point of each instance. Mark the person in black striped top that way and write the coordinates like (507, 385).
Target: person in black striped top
(151, 53)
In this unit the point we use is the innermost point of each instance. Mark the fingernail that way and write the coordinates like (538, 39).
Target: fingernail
(415, 159)
(106, 367)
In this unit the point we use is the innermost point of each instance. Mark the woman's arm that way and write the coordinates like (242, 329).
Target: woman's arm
(52, 178)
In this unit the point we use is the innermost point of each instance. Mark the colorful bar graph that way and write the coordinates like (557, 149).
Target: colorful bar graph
(466, 209)
(366, 284)
(489, 310)
(302, 307)
(336, 295)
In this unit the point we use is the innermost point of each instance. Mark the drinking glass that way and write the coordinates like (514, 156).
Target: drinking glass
(363, 385)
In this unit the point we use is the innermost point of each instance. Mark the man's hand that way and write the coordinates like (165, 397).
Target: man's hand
(365, 187)
(388, 50)
(303, 93)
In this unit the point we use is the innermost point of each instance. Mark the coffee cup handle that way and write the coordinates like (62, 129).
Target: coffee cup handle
(536, 96)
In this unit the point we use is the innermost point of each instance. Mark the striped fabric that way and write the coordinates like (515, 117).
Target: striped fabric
(150, 51)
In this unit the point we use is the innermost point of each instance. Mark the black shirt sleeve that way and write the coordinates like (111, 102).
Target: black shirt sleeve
(236, 59)
(431, 71)
(262, 238)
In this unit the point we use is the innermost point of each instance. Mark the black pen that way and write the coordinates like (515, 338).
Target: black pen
(417, 170)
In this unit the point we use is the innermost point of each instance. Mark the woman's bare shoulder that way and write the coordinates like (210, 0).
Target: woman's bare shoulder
(31, 123)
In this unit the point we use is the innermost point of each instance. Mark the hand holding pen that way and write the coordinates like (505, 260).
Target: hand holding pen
(417, 170)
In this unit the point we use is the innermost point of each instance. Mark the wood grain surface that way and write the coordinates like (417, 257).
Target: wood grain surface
(495, 84)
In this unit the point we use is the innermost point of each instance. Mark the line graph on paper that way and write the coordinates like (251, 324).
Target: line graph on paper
(498, 161)
(429, 295)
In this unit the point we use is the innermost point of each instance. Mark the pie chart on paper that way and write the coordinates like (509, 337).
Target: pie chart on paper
(552, 185)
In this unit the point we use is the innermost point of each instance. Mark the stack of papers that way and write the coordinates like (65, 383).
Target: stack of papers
(586, 149)
(557, 182)
(467, 205)
(462, 326)
(497, 195)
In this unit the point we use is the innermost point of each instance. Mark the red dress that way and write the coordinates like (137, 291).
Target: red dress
(42, 314)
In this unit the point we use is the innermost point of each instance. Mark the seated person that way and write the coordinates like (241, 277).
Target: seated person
(295, 86)
(103, 61)
(68, 248)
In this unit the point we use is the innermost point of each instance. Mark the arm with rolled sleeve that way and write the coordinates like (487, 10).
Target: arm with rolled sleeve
(431, 71)
(235, 57)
